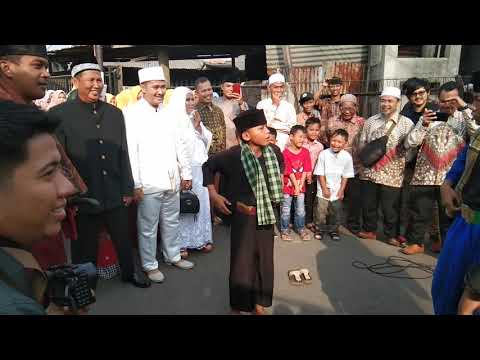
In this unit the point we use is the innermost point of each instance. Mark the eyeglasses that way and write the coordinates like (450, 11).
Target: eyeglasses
(419, 93)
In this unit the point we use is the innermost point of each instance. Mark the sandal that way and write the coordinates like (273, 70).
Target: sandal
(183, 254)
(305, 273)
(334, 236)
(304, 235)
(286, 237)
(207, 248)
(318, 235)
(294, 276)
(311, 227)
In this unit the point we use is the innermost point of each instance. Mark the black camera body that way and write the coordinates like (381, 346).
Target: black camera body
(72, 285)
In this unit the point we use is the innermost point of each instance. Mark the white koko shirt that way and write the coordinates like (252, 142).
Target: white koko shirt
(158, 149)
(334, 166)
(281, 118)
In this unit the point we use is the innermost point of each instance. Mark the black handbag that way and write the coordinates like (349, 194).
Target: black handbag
(372, 152)
(189, 202)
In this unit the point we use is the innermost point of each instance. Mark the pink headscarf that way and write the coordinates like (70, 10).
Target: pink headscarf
(56, 100)
(44, 102)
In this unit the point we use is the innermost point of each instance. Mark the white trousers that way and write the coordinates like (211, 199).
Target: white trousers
(160, 208)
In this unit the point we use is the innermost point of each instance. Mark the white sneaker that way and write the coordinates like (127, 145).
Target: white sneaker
(183, 264)
(156, 276)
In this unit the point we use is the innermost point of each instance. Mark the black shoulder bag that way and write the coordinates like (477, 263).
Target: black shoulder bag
(372, 152)
(189, 202)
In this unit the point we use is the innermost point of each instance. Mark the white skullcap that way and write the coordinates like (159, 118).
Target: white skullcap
(348, 98)
(151, 73)
(392, 91)
(77, 69)
(274, 78)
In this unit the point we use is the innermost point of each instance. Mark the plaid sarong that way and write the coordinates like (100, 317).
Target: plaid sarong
(254, 173)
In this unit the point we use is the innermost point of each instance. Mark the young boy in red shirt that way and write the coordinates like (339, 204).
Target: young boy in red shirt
(297, 165)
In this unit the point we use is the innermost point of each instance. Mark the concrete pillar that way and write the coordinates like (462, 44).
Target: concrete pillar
(163, 58)
(452, 52)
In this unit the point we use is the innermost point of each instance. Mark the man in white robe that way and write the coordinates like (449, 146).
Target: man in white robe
(280, 114)
(161, 166)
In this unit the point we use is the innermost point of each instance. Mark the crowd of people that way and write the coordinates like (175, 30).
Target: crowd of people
(131, 158)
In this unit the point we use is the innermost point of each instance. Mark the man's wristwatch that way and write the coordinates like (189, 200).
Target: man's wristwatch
(463, 108)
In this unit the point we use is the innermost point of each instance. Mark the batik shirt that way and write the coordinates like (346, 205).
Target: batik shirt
(438, 146)
(389, 170)
(213, 119)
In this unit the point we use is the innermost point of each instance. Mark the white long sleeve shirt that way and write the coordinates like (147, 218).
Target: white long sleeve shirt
(281, 118)
(159, 151)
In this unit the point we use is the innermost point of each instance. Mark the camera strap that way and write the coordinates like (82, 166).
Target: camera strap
(39, 278)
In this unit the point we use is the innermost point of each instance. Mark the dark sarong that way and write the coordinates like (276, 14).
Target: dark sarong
(251, 263)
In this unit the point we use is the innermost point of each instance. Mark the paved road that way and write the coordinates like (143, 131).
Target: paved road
(337, 287)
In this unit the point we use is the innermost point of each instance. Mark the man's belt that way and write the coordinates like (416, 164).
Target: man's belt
(470, 216)
(246, 209)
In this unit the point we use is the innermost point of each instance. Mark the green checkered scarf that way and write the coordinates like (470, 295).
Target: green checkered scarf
(253, 170)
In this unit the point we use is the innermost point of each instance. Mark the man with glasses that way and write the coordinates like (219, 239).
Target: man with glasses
(418, 92)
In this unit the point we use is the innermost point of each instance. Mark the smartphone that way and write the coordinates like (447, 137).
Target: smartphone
(442, 116)
(237, 89)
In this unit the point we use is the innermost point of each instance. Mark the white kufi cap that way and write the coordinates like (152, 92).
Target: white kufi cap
(392, 91)
(151, 73)
(77, 69)
(275, 78)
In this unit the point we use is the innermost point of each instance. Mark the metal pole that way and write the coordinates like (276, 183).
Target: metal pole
(367, 80)
(98, 53)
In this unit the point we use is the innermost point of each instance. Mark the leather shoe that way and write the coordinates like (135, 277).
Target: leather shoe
(139, 281)
(413, 249)
(367, 235)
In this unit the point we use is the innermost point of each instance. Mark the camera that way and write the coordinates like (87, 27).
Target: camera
(72, 285)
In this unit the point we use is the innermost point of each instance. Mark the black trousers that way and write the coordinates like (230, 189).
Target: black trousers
(389, 199)
(310, 196)
(251, 263)
(405, 211)
(84, 249)
(353, 200)
(421, 204)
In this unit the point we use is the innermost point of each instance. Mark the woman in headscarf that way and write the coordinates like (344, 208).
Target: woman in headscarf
(43, 103)
(168, 95)
(195, 229)
(58, 97)
(128, 96)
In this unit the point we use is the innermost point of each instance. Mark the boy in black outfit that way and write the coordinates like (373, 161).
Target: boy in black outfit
(253, 187)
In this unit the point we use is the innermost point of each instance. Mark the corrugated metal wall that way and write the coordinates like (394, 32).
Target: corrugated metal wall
(315, 55)
(310, 78)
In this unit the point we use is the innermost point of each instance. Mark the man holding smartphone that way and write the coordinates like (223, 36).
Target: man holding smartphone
(418, 93)
(232, 104)
(439, 137)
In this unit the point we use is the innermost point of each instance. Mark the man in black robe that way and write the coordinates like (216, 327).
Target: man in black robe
(93, 135)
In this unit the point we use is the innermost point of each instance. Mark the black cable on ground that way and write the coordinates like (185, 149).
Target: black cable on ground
(389, 269)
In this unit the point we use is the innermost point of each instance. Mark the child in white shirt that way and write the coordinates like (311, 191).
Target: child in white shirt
(334, 167)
